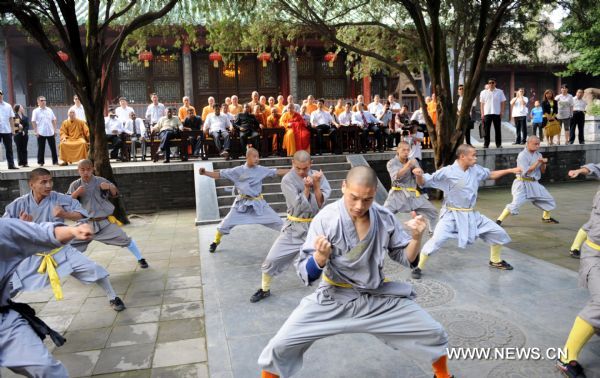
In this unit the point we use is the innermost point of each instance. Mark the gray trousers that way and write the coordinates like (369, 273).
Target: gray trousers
(23, 352)
(282, 254)
(398, 322)
(104, 232)
(589, 277)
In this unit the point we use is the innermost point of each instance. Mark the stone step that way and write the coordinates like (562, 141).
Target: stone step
(333, 174)
(279, 207)
(270, 197)
(282, 161)
(274, 187)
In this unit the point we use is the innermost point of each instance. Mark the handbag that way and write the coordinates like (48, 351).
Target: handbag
(552, 128)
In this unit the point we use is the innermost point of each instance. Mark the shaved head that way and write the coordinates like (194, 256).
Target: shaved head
(251, 151)
(87, 163)
(464, 149)
(38, 172)
(362, 176)
(301, 156)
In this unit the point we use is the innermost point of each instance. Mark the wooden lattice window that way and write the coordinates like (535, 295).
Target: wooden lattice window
(48, 81)
(132, 81)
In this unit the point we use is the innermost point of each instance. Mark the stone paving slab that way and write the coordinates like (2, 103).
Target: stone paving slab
(533, 306)
(161, 333)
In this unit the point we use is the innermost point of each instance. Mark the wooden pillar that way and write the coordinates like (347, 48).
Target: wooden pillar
(293, 72)
(9, 76)
(511, 93)
(188, 77)
(366, 87)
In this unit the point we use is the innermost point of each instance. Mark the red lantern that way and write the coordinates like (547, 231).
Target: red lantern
(63, 56)
(330, 58)
(146, 56)
(264, 58)
(215, 57)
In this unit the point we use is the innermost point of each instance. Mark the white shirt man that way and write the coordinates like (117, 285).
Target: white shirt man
(565, 105)
(579, 104)
(395, 107)
(6, 116)
(45, 121)
(215, 123)
(136, 127)
(155, 111)
(492, 101)
(124, 111)
(519, 106)
(418, 116)
(320, 117)
(363, 118)
(345, 118)
(113, 125)
(376, 106)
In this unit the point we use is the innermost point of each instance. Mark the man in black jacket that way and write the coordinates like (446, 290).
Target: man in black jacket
(247, 125)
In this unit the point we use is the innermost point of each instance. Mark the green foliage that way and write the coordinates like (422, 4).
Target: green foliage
(593, 109)
(580, 36)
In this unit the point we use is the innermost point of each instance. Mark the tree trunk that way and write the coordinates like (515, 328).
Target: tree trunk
(99, 155)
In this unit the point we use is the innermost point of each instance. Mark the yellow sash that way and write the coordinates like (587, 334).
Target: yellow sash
(342, 284)
(458, 208)
(526, 179)
(592, 245)
(257, 198)
(49, 265)
(114, 220)
(415, 190)
(301, 220)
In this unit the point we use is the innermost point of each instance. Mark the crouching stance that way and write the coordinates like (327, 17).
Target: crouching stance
(346, 245)
(458, 218)
(21, 332)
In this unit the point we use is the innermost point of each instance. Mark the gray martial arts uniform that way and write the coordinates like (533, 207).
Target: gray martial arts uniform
(526, 186)
(458, 219)
(70, 261)
(287, 246)
(249, 207)
(589, 266)
(402, 197)
(370, 305)
(21, 349)
(95, 201)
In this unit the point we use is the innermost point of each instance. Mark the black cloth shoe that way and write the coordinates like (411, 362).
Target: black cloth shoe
(571, 369)
(13, 167)
(143, 263)
(117, 304)
(213, 247)
(502, 265)
(575, 253)
(416, 273)
(259, 295)
(550, 220)
(498, 222)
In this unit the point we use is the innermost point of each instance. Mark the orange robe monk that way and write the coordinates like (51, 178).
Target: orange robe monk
(272, 123)
(74, 138)
(183, 112)
(297, 135)
(206, 111)
(432, 110)
(311, 108)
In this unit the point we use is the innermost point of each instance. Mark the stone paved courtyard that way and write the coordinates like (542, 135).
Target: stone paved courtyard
(191, 307)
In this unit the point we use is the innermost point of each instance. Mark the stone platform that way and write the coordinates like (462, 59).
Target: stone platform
(531, 307)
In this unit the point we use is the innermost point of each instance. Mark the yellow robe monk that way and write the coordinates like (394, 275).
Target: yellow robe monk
(235, 109)
(432, 110)
(297, 135)
(74, 138)
(339, 109)
(273, 123)
(311, 108)
(280, 107)
(206, 111)
(183, 112)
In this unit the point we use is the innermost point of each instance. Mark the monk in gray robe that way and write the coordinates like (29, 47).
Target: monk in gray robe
(346, 245)
(249, 206)
(587, 321)
(44, 205)
(305, 192)
(405, 196)
(458, 218)
(526, 186)
(93, 193)
(21, 348)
